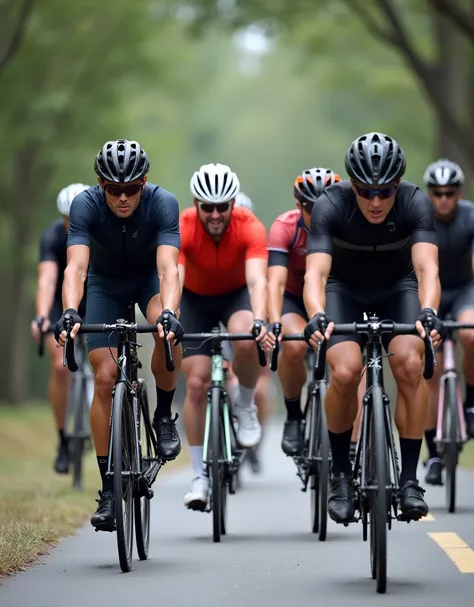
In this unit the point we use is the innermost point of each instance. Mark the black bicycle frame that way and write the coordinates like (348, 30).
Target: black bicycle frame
(374, 375)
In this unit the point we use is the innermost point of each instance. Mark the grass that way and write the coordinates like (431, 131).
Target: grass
(37, 506)
(467, 455)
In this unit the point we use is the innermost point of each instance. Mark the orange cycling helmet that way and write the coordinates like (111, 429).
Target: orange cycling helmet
(309, 186)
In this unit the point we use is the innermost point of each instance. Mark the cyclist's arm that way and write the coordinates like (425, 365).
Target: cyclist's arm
(181, 270)
(256, 278)
(167, 266)
(318, 266)
(319, 255)
(277, 276)
(75, 275)
(47, 280)
(425, 262)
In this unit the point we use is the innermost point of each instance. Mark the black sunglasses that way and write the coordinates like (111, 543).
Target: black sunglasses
(370, 193)
(210, 207)
(118, 190)
(439, 194)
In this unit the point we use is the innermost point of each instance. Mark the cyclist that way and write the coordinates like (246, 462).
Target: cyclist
(223, 265)
(129, 231)
(286, 267)
(372, 247)
(265, 391)
(455, 226)
(52, 264)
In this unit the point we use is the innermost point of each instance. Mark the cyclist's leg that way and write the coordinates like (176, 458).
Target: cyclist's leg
(345, 361)
(58, 390)
(168, 441)
(292, 372)
(463, 310)
(237, 316)
(106, 302)
(197, 315)
(402, 305)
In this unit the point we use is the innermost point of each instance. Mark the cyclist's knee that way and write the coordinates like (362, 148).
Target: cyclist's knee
(294, 352)
(466, 338)
(245, 351)
(408, 369)
(58, 370)
(105, 374)
(196, 387)
(346, 366)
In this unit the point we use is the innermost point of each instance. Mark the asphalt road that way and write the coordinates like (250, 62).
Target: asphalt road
(269, 557)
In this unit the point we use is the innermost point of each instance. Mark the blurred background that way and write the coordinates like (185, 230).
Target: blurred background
(269, 87)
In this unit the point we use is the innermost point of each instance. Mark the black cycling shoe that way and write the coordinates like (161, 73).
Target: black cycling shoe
(434, 473)
(61, 465)
(104, 517)
(167, 437)
(341, 506)
(469, 416)
(412, 505)
(292, 441)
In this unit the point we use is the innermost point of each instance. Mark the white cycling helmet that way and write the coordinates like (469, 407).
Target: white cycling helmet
(443, 172)
(67, 195)
(214, 183)
(242, 200)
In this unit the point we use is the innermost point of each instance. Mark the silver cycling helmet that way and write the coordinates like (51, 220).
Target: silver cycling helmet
(242, 200)
(375, 159)
(443, 172)
(121, 161)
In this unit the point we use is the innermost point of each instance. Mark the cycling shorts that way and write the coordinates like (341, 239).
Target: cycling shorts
(455, 301)
(293, 304)
(109, 298)
(201, 313)
(345, 304)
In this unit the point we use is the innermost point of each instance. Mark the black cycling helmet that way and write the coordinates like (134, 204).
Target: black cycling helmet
(443, 172)
(375, 159)
(121, 161)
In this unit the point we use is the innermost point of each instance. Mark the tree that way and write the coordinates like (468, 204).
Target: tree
(14, 27)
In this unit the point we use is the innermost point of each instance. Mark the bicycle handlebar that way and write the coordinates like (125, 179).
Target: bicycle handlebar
(373, 328)
(42, 336)
(220, 337)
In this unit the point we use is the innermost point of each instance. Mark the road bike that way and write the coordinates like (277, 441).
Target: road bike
(133, 461)
(223, 455)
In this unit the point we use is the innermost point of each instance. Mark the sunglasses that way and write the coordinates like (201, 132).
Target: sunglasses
(448, 194)
(118, 190)
(370, 193)
(209, 207)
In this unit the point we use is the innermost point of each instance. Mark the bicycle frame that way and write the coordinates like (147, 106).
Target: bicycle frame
(449, 370)
(374, 375)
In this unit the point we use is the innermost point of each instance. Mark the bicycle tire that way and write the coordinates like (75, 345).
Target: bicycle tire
(324, 464)
(78, 438)
(215, 443)
(142, 503)
(311, 430)
(378, 498)
(123, 449)
(451, 449)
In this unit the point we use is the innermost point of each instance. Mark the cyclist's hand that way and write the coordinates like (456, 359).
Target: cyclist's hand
(318, 329)
(428, 319)
(38, 322)
(69, 318)
(269, 340)
(174, 327)
(259, 329)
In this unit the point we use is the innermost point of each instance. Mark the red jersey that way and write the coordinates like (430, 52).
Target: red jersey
(216, 268)
(287, 247)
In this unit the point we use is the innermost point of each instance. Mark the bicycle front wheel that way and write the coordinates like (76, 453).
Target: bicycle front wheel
(379, 479)
(451, 448)
(323, 463)
(218, 504)
(123, 454)
(142, 503)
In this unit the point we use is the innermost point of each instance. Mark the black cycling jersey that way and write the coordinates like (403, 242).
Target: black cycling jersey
(124, 247)
(456, 240)
(53, 248)
(365, 254)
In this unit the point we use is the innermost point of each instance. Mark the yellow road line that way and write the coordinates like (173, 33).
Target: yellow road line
(429, 518)
(457, 550)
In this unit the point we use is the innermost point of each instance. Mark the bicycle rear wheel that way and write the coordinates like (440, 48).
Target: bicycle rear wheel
(142, 503)
(218, 503)
(379, 479)
(123, 453)
(323, 462)
(451, 448)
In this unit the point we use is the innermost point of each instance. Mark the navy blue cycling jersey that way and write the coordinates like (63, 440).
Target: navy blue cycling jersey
(53, 248)
(124, 247)
(456, 240)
